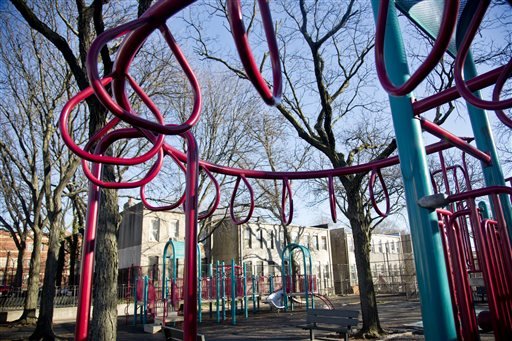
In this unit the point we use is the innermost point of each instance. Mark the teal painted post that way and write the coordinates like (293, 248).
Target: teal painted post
(270, 284)
(217, 292)
(290, 275)
(223, 292)
(306, 295)
(482, 206)
(246, 311)
(436, 307)
(283, 279)
(493, 174)
(145, 302)
(233, 292)
(253, 294)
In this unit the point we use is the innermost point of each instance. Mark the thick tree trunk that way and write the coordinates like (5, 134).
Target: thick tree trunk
(104, 322)
(18, 277)
(44, 328)
(29, 309)
(73, 254)
(362, 236)
(61, 260)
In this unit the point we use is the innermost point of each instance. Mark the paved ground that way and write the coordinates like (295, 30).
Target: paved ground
(399, 316)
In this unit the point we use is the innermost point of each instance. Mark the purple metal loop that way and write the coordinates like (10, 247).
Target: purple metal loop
(83, 153)
(246, 56)
(460, 60)
(169, 207)
(232, 201)
(121, 72)
(104, 143)
(332, 198)
(498, 87)
(286, 193)
(371, 184)
(215, 202)
(446, 29)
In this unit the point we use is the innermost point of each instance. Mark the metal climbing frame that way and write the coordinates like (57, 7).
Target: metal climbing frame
(438, 317)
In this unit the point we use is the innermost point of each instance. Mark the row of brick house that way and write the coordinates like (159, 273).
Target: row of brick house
(143, 235)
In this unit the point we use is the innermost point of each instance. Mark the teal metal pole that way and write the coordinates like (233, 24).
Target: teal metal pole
(223, 292)
(305, 278)
(436, 305)
(482, 206)
(290, 275)
(283, 278)
(253, 286)
(217, 292)
(145, 302)
(493, 174)
(246, 311)
(233, 293)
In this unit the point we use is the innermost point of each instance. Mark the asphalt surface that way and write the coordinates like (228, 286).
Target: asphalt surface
(401, 318)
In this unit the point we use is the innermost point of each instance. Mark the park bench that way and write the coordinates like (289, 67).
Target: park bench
(174, 334)
(339, 321)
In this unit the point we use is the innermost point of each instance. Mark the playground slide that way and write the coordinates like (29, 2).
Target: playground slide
(327, 303)
(276, 299)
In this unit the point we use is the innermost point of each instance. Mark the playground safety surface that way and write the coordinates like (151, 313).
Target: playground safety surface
(399, 316)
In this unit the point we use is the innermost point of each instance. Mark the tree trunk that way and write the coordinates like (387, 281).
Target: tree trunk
(44, 327)
(361, 233)
(73, 254)
(61, 260)
(29, 309)
(18, 277)
(104, 321)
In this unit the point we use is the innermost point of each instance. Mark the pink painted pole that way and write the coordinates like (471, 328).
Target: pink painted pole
(190, 285)
(87, 271)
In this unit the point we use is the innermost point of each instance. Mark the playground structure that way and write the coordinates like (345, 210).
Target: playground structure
(452, 237)
(224, 288)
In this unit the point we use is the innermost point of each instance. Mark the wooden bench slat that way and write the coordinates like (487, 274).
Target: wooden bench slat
(332, 320)
(339, 321)
(334, 312)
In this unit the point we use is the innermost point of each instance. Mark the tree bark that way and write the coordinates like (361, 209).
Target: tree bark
(362, 238)
(103, 326)
(61, 260)
(44, 327)
(18, 277)
(29, 309)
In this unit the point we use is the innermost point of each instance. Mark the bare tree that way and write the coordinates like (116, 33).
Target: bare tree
(71, 28)
(324, 49)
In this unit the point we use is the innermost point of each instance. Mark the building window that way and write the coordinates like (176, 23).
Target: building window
(324, 243)
(259, 268)
(293, 237)
(272, 240)
(326, 271)
(248, 269)
(307, 240)
(248, 238)
(373, 247)
(393, 247)
(380, 246)
(387, 247)
(315, 240)
(260, 238)
(174, 229)
(154, 230)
